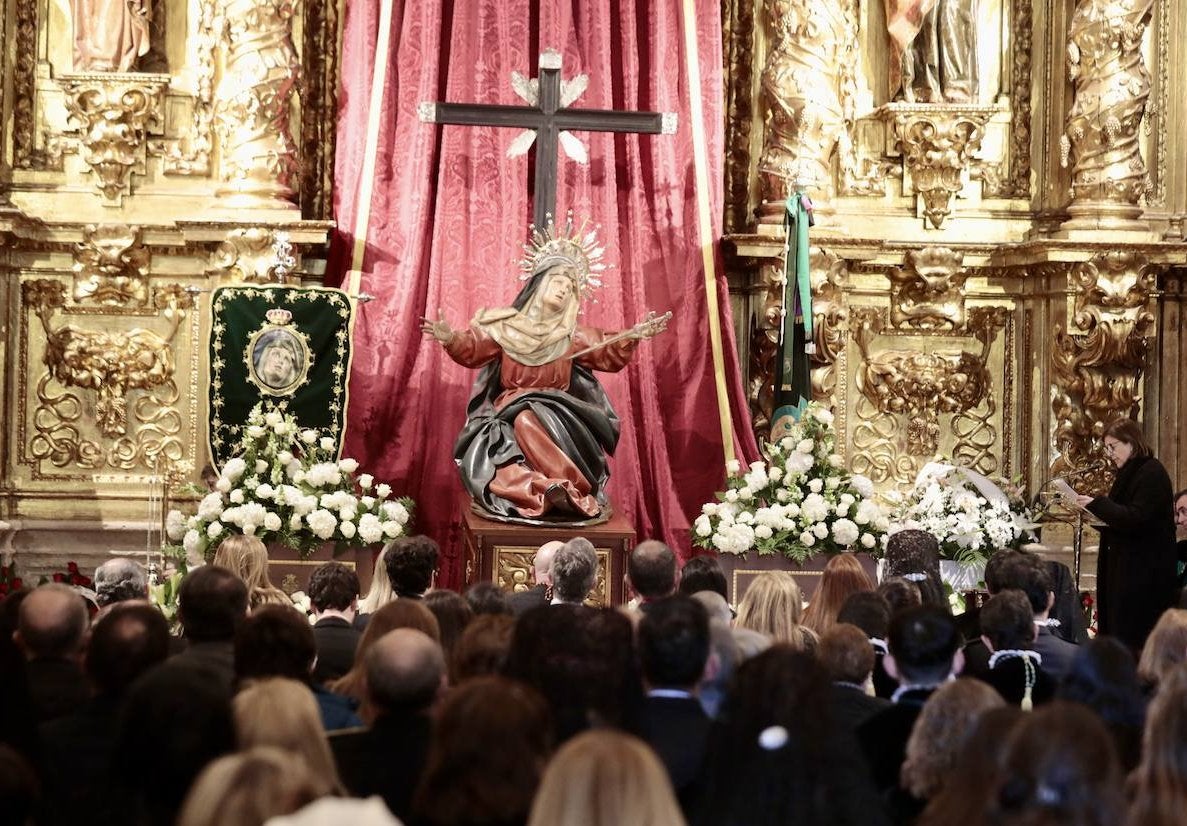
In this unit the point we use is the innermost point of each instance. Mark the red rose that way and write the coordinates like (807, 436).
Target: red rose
(72, 567)
(59, 577)
(3, 572)
(85, 581)
(17, 584)
(3, 588)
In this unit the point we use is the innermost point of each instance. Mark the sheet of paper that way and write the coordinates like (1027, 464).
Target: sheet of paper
(1065, 492)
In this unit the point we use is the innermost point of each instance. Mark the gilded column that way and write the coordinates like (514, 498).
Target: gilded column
(252, 103)
(809, 64)
(1110, 84)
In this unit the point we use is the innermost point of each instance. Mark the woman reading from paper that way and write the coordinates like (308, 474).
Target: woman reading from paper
(539, 425)
(1135, 579)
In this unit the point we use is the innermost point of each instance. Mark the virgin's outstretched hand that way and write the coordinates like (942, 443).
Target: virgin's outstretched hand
(438, 329)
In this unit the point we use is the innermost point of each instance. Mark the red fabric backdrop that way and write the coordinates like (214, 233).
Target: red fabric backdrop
(450, 213)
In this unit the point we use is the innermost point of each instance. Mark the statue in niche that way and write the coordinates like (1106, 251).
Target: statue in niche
(539, 425)
(110, 35)
(935, 46)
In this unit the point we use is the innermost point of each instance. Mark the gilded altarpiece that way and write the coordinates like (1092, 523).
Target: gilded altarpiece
(142, 166)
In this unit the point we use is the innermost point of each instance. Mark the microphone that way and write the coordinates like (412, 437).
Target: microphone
(1084, 471)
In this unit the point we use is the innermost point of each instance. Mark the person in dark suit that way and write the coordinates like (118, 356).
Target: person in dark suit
(870, 612)
(1031, 576)
(923, 653)
(652, 572)
(76, 749)
(334, 594)
(405, 672)
(846, 653)
(1015, 669)
(211, 603)
(673, 640)
(1135, 577)
(1181, 524)
(537, 595)
(51, 630)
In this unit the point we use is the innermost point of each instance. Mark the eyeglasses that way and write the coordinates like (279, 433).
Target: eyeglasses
(1111, 447)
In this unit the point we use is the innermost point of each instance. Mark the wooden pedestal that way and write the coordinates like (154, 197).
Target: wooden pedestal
(290, 573)
(502, 553)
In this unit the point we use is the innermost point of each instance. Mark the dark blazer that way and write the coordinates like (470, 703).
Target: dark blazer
(677, 728)
(1057, 653)
(852, 707)
(336, 641)
(1135, 579)
(386, 759)
(1008, 676)
(216, 658)
(884, 684)
(884, 736)
(523, 601)
(56, 687)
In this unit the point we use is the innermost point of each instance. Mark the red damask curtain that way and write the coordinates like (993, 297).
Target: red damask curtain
(449, 214)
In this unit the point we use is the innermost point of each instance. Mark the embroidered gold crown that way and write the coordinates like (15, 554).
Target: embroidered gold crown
(566, 244)
(278, 316)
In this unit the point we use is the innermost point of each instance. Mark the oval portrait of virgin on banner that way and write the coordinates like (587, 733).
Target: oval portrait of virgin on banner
(279, 360)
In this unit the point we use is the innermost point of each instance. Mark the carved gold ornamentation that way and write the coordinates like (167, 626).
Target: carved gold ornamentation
(513, 568)
(109, 363)
(191, 154)
(922, 385)
(928, 293)
(1017, 184)
(112, 115)
(1110, 84)
(24, 83)
(738, 36)
(319, 108)
(938, 143)
(111, 265)
(811, 51)
(253, 255)
(252, 102)
(1097, 362)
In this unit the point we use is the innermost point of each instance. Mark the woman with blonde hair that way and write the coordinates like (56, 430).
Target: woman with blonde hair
(1165, 648)
(842, 577)
(247, 558)
(401, 613)
(773, 605)
(381, 592)
(283, 713)
(948, 718)
(250, 788)
(605, 778)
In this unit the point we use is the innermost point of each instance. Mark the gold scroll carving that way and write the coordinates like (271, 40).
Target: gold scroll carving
(928, 292)
(255, 255)
(1097, 362)
(1111, 85)
(111, 265)
(810, 60)
(112, 115)
(259, 156)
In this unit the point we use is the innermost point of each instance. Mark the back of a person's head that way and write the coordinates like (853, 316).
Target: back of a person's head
(996, 566)
(1166, 647)
(491, 739)
(119, 579)
(673, 639)
(605, 778)
(574, 570)
(125, 643)
(846, 653)
(400, 613)
(172, 724)
(250, 788)
(843, 576)
(1060, 768)
(915, 556)
(381, 592)
(333, 586)
(1007, 621)
(410, 562)
(212, 601)
(404, 671)
(944, 724)
(1104, 677)
(975, 772)
(899, 594)
(703, 573)
(923, 642)
(774, 605)
(487, 598)
(453, 614)
(52, 622)
(283, 713)
(1158, 786)
(1027, 573)
(869, 611)
(247, 558)
(483, 647)
(652, 569)
(715, 605)
(275, 641)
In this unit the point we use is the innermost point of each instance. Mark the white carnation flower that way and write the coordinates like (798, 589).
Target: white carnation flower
(327, 443)
(709, 509)
(273, 418)
(775, 474)
(234, 469)
(271, 521)
(845, 532)
(255, 431)
(249, 529)
(733, 466)
(349, 465)
(322, 523)
(821, 530)
(222, 485)
(745, 494)
(383, 490)
(214, 529)
(396, 512)
(821, 415)
(867, 540)
(392, 529)
(192, 542)
(366, 480)
(701, 526)
(175, 525)
(261, 466)
(295, 522)
(210, 507)
(807, 539)
(236, 496)
(285, 457)
(835, 460)
(763, 532)
(265, 491)
(348, 529)
(806, 446)
(782, 495)
(815, 485)
(308, 436)
(731, 496)
(370, 528)
(862, 485)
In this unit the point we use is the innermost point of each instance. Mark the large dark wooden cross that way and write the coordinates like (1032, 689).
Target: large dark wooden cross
(547, 119)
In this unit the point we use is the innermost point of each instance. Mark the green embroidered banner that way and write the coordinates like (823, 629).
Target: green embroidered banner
(288, 347)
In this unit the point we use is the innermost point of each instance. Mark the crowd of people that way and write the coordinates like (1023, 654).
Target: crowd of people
(414, 705)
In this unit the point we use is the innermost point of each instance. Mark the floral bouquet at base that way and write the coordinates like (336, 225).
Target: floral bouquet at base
(285, 486)
(799, 502)
(969, 514)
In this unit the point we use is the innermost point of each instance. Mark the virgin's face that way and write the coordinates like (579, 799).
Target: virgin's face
(278, 365)
(1117, 450)
(558, 288)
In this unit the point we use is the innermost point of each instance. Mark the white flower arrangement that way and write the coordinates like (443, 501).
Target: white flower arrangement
(286, 486)
(799, 502)
(969, 514)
